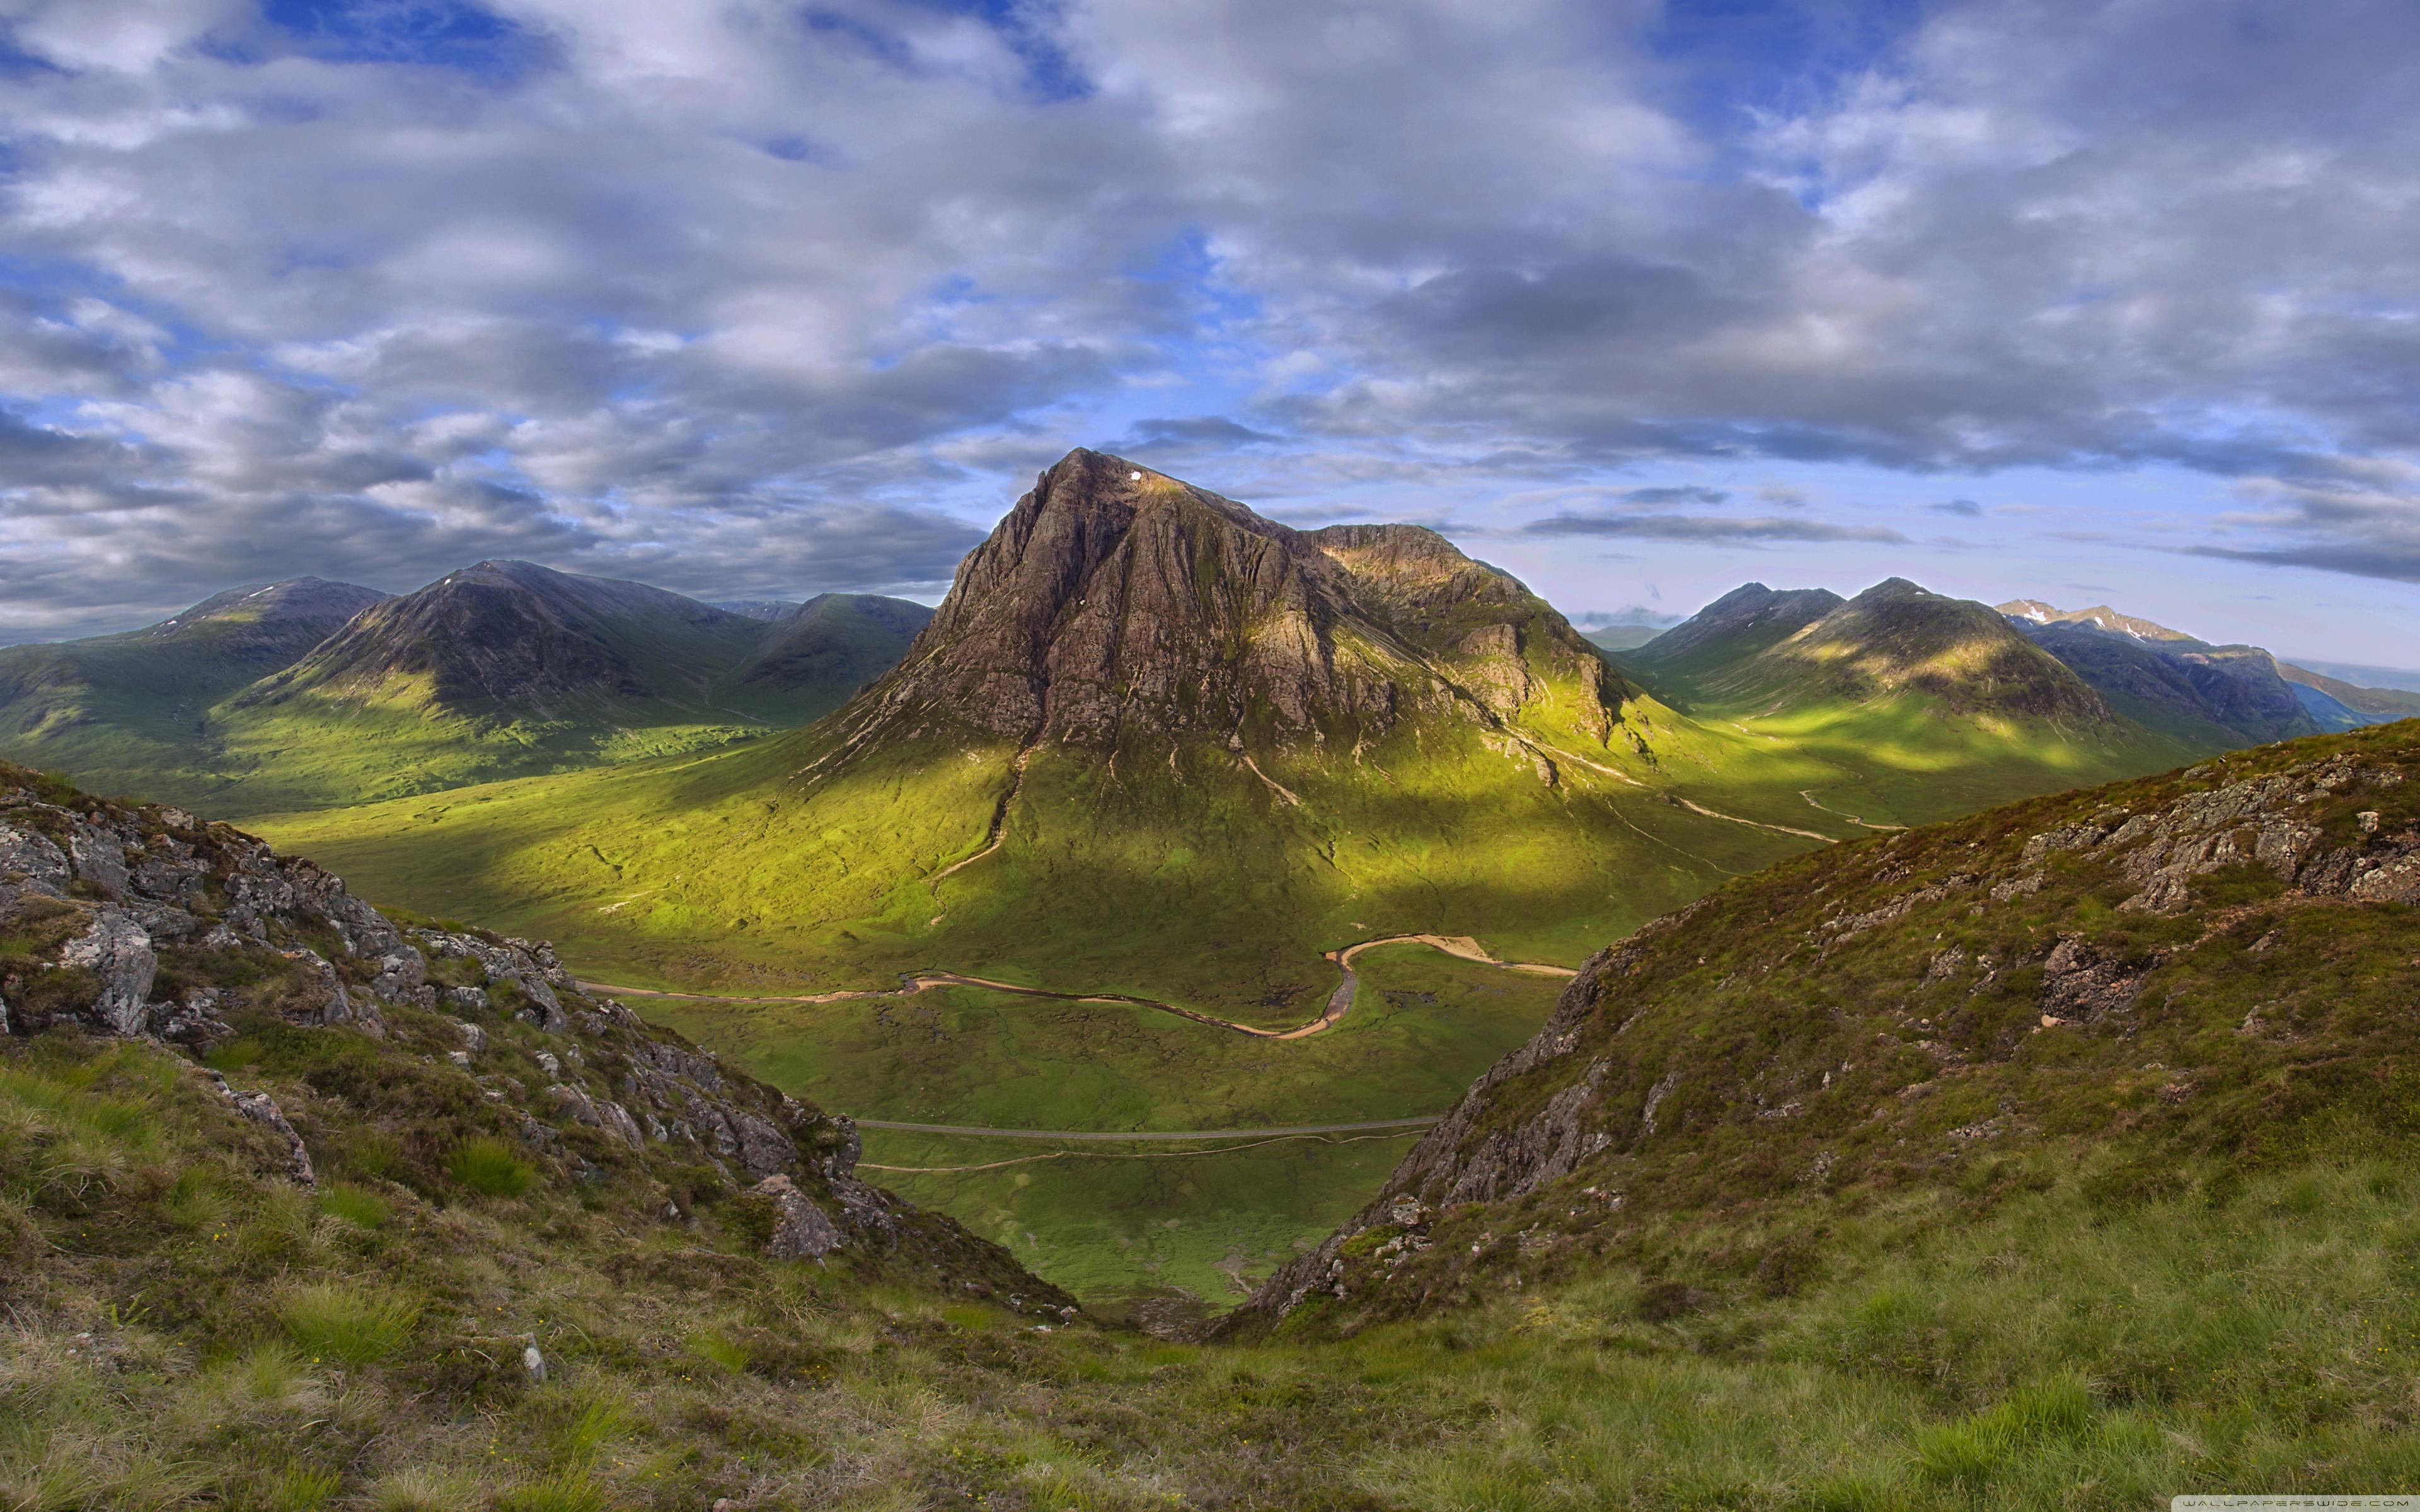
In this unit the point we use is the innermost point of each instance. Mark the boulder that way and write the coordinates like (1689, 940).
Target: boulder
(801, 1231)
(116, 949)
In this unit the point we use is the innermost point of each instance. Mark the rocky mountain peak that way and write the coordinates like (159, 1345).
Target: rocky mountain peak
(1115, 600)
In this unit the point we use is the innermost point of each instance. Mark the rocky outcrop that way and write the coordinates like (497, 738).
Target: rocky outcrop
(262, 1109)
(530, 967)
(800, 1230)
(2261, 821)
(116, 949)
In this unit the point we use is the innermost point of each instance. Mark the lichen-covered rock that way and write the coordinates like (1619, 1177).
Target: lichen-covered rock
(29, 859)
(116, 949)
(801, 1231)
(508, 961)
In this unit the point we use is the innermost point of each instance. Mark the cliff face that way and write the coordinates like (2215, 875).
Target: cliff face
(1114, 601)
(2193, 963)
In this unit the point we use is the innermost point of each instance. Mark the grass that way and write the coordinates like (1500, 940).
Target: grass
(487, 1166)
(2066, 1342)
(347, 1324)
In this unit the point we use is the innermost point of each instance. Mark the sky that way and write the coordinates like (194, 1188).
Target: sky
(2089, 302)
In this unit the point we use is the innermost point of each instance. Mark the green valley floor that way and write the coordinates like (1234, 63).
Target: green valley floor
(1150, 1222)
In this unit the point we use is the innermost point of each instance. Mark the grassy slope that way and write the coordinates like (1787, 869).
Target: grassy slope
(1856, 1027)
(187, 1330)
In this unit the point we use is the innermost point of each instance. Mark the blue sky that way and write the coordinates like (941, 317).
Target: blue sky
(2083, 301)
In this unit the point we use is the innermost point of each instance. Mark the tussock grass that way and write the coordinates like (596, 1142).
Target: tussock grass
(489, 1168)
(350, 1322)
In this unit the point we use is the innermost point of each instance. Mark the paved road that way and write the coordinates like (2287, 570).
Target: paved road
(1420, 1123)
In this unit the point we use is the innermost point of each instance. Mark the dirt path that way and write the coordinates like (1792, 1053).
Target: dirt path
(1296, 1132)
(1131, 1154)
(998, 820)
(1339, 1002)
(1808, 793)
(1754, 823)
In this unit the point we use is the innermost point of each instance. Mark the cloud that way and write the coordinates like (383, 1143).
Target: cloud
(1708, 528)
(1682, 494)
(754, 296)
(1966, 507)
(1192, 432)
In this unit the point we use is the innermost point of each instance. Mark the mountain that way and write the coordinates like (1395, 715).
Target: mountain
(2376, 679)
(756, 609)
(1622, 637)
(2142, 989)
(122, 710)
(500, 670)
(2215, 697)
(2212, 696)
(1895, 640)
(833, 640)
(1902, 705)
(1154, 744)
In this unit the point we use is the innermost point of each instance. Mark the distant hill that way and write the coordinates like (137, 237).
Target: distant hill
(1726, 633)
(2215, 697)
(508, 668)
(1622, 637)
(2374, 705)
(130, 711)
(309, 694)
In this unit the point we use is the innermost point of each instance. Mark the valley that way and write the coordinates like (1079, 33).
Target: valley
(1087, 853)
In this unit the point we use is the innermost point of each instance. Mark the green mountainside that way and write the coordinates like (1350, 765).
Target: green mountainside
(130, 711)
(498, 670)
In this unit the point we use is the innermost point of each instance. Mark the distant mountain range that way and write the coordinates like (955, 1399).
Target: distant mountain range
(306, 693)
(2232, 693)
